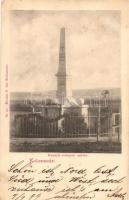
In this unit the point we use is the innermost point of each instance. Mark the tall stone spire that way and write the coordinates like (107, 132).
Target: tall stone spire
(62, 56)
(63, 78)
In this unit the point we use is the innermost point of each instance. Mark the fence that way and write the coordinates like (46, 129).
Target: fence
(101, 124)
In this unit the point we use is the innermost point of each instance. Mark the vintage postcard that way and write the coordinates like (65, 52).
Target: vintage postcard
(64, 100)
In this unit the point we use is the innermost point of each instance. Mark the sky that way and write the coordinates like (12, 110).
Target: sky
(93, 54)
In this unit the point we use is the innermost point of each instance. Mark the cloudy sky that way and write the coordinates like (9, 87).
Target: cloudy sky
(92, 48)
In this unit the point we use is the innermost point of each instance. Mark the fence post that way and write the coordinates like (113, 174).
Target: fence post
(99, 113)
(110, 128)
(118, 134)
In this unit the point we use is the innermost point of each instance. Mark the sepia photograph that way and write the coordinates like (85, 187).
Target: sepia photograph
(65, 81)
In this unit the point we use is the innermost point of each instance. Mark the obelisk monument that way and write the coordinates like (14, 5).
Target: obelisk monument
(64, 90)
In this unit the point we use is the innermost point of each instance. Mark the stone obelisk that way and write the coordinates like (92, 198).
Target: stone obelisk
(64, 90)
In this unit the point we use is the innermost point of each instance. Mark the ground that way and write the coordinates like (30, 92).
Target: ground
(62, 145)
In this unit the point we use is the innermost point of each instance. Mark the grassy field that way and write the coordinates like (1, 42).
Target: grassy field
(69, 145)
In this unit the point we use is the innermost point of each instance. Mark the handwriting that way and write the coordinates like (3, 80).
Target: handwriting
(84, 179)
(51, 170)
(19, 168)
(104, 170)
(118, 194)
(71, 170)
(45, 182)
(22, 196)
(67, 195)
(15, 178)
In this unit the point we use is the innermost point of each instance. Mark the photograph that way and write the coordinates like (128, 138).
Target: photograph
(65, 81)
